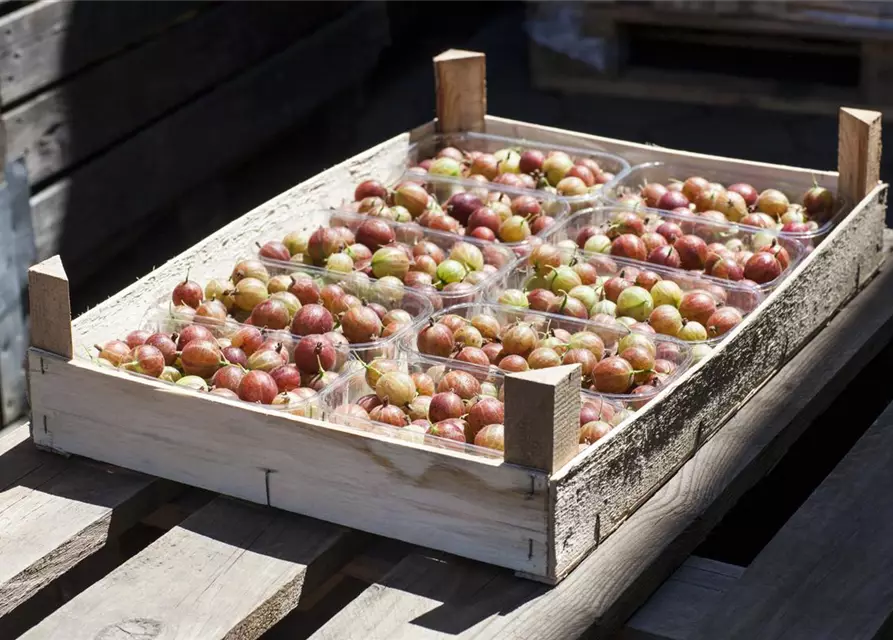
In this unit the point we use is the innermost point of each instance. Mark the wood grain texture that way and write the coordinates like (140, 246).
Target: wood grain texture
(16, 255)
(461, 90)
(418, 598)
(57, 513)
(230, 570)
(826, 573)
(858, 152)
(43, 42)
(431, 597)
(204, 137)
(487, 510)
(542, 419)
(687, 597)
(73, 120)
(606, 483)
(50, 307)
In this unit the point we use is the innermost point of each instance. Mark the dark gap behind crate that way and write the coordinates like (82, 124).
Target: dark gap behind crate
(763, 510)
(795, 62)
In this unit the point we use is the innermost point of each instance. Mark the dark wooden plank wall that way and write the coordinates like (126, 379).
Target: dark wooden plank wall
(121, 110)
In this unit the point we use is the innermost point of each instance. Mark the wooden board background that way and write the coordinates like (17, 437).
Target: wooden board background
(119, 109)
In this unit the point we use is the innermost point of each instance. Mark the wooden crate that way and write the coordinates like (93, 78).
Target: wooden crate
(543, 509)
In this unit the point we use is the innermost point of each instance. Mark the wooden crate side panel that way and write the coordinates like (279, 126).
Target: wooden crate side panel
(482, 509)
(215, 254)
(83, 115)
(602, 487)
(637, 153)
(234, 120)
(45, 42)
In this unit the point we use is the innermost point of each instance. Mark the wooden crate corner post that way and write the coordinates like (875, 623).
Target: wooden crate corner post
(461, 87)
(50, 308)
(858, 153)
(51, 331)
(542, 417)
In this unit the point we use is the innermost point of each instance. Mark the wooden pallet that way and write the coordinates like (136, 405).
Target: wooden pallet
(863, 56)
(542, 510)
(79, 545)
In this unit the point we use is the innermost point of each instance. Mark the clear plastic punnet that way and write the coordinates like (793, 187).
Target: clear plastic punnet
(676, 352)
(724, 293)
(340, 403)
(304, 401)
(474, 285)
(631, 181)
(459, 199)
(385, 296)
(734, 238)
(426, 149)
(347, 392)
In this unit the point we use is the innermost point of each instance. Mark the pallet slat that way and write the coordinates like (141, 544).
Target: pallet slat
(826, 573)
(56, 514)
(230, 571)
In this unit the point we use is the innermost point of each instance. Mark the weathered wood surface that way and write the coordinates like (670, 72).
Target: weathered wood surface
(54, 515)
(542, 417)
(419, 597)
(204, 137)
(108, 102)
(443, 499)
(461, 90)
(50, 307)
(828, 573)
(44, 42)
(231, 570)
(687, 597)
(859, 152)
(16, 255)
(603, 485)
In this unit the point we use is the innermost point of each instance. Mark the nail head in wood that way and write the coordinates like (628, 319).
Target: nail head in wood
(50, 307)
(858, 153)
(461, 86)
(542, 417)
